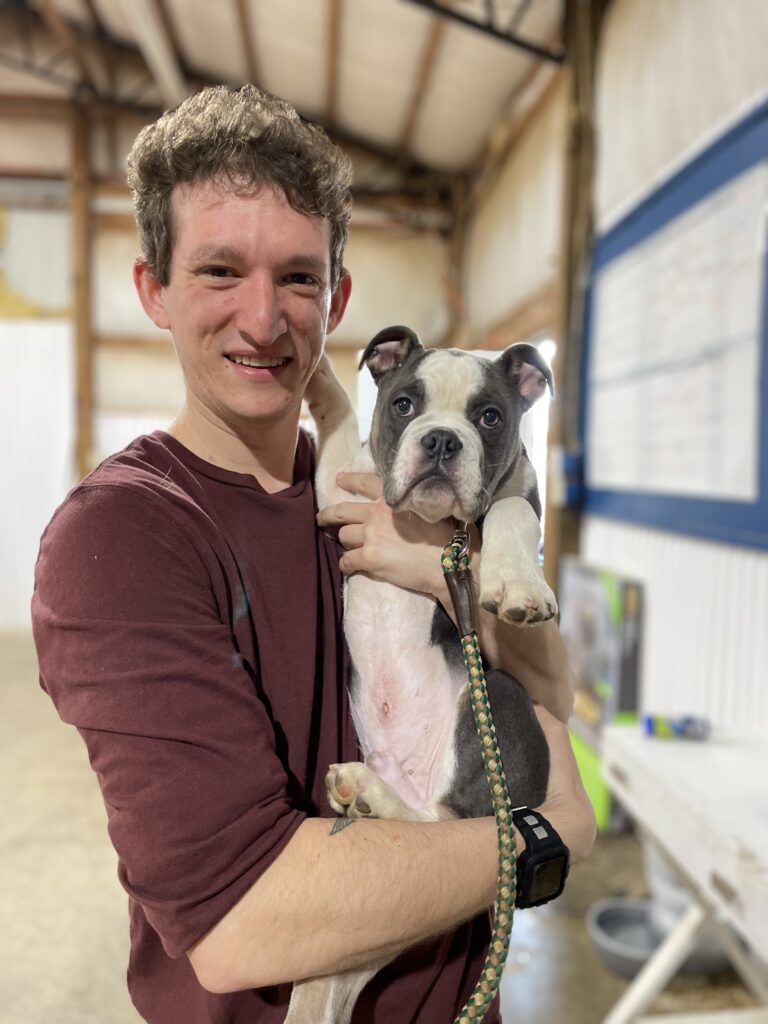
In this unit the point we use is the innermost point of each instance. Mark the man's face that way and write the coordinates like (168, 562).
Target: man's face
(248, 303)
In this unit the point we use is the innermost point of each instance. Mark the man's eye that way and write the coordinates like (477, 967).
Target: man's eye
(304, 280)
(491, 418)
(403, 406)
(217, 271)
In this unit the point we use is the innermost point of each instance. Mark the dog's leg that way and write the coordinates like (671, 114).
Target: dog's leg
(338, 439)
(511, 581)
(355, 790)
(329, 1000)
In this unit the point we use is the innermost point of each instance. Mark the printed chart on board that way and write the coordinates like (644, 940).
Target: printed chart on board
(675, 360)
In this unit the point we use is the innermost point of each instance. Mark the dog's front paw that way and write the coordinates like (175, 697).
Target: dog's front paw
(523, 602)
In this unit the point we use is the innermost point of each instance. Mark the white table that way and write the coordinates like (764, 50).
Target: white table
(706, 805)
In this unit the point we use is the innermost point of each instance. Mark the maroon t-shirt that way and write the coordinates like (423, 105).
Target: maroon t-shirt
(189, 625)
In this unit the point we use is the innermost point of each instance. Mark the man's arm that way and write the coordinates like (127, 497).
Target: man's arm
(332, 902)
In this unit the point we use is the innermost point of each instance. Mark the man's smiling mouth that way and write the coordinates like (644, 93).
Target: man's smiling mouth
(257, 362)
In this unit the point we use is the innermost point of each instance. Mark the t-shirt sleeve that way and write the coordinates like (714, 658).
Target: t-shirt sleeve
(137, 654)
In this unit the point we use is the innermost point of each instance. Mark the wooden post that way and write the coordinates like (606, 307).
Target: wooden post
(582, 32)
(80, 217)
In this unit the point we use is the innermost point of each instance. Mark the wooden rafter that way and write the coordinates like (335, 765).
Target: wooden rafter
(509, 127)
(170, 30)
(428, 59)
(157, 48)
(335, 13)
(68, 40)
(246, 34)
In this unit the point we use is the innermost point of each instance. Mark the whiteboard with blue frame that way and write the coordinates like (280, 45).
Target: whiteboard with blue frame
(675, 422)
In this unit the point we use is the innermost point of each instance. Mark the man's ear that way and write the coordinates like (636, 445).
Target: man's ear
(390, 349)
(530, 375)
(151, 293)
(339, 300)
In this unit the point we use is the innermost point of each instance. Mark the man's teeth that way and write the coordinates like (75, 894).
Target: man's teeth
(253, 361)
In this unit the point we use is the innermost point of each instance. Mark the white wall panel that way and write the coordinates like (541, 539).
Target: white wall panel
(134, 380)
(398, 277)
(36, 460)
(705, 642)
(513, 243)
(672, 74)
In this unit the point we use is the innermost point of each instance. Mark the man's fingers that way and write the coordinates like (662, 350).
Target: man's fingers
(366, 484)
(343, 512)
(351, 536)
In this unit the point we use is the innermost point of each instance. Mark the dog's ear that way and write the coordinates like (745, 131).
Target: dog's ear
(389, 349)
(531, 376)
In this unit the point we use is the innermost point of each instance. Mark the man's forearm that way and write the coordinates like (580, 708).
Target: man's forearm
(332, 902)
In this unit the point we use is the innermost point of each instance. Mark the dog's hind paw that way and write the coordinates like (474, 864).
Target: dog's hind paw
(354, 790)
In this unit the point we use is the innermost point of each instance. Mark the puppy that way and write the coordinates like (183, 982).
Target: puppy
(445, 440)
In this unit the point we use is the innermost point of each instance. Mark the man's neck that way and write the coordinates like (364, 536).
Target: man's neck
(266, 452)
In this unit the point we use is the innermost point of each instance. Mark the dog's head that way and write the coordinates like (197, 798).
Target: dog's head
(446, 428)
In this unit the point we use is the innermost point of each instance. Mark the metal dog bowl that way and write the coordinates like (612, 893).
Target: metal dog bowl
(621, 934)
(625, 933)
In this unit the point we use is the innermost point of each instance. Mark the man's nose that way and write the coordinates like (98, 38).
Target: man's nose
(260, 315)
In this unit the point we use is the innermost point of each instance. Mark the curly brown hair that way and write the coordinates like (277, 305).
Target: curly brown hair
(244, 137)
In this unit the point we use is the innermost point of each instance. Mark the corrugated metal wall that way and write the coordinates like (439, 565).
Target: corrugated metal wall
(705, 641)
(37, 430)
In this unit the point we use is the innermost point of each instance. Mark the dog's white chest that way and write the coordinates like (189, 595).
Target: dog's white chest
(404, 698)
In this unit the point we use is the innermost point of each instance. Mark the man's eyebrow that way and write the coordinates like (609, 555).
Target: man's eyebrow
(315, 264)
(215, 253)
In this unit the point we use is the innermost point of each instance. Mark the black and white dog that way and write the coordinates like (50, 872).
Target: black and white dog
(445, 440)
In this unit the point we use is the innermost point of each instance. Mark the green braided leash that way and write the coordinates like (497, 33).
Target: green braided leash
(455, 562)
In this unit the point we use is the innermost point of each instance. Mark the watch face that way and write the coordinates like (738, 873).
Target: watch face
(547, 879)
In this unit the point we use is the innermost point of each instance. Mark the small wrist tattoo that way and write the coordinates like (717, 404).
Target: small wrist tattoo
(340, 824)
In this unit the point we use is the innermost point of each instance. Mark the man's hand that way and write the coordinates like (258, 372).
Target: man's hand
(567, 804)
(398, 547)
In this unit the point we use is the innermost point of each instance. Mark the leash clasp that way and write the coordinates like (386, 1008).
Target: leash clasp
(459, 580)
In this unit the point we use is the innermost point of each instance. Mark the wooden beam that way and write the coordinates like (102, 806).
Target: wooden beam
(496, 157)
(428, 58)
(537, 313)
(246, 34)
(582, 34)
(137, 344)
(103, 221)
(67, 39)
(335, 13)
(80, 213)
(34, 108)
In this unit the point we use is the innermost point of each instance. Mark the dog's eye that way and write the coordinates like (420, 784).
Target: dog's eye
(403, 406)
(491, 418)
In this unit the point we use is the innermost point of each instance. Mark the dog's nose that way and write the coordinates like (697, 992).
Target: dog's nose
(441, 444)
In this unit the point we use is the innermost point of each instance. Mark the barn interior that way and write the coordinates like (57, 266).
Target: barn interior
(588, 176)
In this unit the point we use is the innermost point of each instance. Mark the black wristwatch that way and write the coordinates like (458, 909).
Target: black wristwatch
(542, 867)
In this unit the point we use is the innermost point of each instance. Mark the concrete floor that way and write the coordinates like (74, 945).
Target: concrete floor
(63, 915)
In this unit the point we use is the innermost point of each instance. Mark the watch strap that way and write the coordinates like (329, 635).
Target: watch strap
(543, 846)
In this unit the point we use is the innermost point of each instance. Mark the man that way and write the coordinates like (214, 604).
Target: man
(187, 617)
